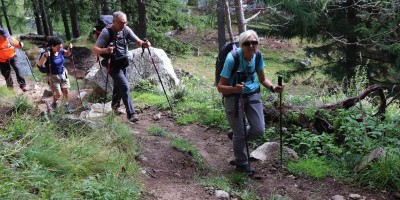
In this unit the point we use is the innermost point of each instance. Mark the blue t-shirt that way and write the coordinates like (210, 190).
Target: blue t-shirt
(251, 83)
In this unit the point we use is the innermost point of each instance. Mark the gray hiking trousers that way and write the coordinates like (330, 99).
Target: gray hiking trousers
(253, 109)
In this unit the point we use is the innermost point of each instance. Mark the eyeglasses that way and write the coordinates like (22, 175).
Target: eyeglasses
(122, 23)
(248, 43)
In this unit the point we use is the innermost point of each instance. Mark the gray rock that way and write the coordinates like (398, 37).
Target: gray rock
(157, 116)
(141, 68)
(220, 194)
(270, 150)
(375, 155)
(355, 196)
(338, 197)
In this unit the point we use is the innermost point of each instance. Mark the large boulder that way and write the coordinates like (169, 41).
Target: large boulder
(141, 68)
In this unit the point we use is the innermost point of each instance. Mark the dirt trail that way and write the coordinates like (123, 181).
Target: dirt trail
(169, 173)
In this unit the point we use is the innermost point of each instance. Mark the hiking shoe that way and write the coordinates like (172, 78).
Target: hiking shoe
(117, 112)
(68, 109)
(245, 169)
(134, 118)
(23, 88)
(230, 134)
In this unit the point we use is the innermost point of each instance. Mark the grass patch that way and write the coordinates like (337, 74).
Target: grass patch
(158, 131)
(143, 100)
(185, 146)
(41, 161)
(217, 182)
(188, 118)
(382, 175)
(316, 168)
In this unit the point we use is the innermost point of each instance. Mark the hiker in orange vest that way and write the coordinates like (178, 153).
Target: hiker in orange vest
(7, 59)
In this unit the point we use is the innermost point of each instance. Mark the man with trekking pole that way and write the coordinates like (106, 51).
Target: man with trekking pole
(112, 45)
(242, 100)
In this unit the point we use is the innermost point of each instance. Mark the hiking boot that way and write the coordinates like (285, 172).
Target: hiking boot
(54, 105)
(117, 112)
(23, 88)
(245, 169)
(230, 134)
(134, 118)
(68, 109)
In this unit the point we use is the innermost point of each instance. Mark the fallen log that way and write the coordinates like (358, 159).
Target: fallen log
(318, 123)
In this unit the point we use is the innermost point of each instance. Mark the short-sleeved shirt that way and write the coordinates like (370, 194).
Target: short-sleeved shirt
(121, 40)
(57, 62)
(251, 83)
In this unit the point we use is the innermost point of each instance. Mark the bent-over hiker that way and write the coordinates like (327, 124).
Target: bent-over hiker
(53, 59)
(7, 59)
(112, 45)
(241, 96)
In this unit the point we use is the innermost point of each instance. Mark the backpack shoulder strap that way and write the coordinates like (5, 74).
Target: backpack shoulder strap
(110, 35)
(258, 58)
(10, 41)
(237, 60)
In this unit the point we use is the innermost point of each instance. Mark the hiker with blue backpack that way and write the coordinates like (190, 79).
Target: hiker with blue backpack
(240, 87)
(51, 62)
(112, 46)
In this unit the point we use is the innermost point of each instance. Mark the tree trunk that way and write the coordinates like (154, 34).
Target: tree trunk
(6, 16)
(351, 48)
(64, 17)
(221, 24)
(45, 23)
(241, 22)
(36, 12)
(318, 123)
(142, 24)
(228, 20)
(105, 9)
(124, 7)
(73, 14)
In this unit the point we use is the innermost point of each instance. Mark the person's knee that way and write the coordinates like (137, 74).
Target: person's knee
(257, 132)
(65, 91)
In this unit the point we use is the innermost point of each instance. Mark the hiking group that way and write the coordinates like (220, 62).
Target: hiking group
(239, 73)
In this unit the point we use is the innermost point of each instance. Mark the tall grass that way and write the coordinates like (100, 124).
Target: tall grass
(40, 161)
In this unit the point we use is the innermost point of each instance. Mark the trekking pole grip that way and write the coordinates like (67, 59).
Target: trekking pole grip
(280, 80)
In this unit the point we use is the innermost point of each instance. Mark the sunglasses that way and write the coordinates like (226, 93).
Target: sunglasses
(248, 43)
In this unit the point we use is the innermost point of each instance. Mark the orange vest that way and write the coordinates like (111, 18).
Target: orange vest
(7, 50)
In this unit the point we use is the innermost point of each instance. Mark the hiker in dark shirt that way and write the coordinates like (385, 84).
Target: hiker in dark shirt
(7, 59)
(118, 34)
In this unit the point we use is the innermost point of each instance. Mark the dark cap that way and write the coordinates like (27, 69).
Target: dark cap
(4, 32)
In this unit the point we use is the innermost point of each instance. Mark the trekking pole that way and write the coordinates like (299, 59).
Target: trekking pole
(159, 78)
(77, 84)
(108, 72)
(245, 131)
(50, 78)
(280, 120)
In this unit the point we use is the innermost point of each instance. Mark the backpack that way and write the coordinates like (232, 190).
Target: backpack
(46, 68)
(223, 53)
(103, 21)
